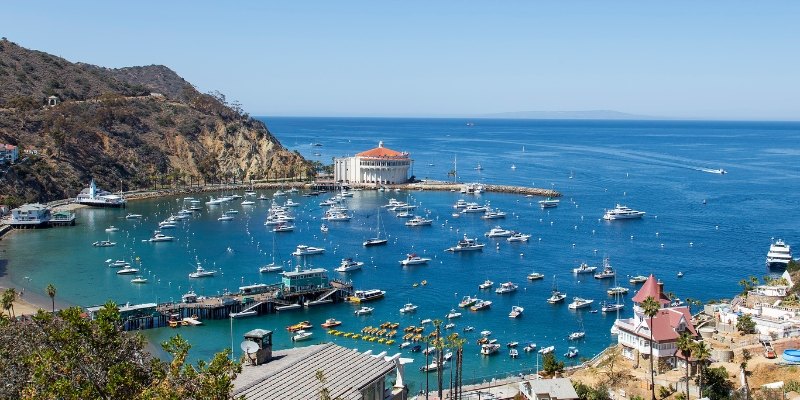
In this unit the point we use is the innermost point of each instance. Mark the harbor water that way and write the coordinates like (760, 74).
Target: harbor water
(714, 228)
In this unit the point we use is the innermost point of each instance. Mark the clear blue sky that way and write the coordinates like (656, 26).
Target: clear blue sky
(694, 59)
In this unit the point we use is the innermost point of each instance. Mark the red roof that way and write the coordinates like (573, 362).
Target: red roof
(666, 322)
(382, 152)
(651, 289)
(9, 147)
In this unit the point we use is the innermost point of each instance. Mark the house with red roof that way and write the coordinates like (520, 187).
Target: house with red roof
(379, 166)
(633, 334)
(8, 153)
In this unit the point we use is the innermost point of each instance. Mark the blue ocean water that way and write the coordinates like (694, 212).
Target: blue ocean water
(714, 228)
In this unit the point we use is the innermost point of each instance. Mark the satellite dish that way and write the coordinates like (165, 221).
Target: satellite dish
(249, 347)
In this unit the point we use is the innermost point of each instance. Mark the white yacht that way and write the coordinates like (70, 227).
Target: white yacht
(779, 254)
(270, 268)
(413, 259)
(92, 196)
(506, 287)
(607, 272)
(617, 290)
(348, 264)
(160, 237)
(117, 263)
(577, 335)
(112, 228)
(548, 349)
(419, 221)
(491, 214)
(467, 301)
(301, 335)
(533, 276)
(611, 307)
(104, 243)
(139, 279)
(489, 348)
(200, 272)
(518, 237)
(516, 311)
(498, 232)
(303, 250)
(487, 284)
(225, 217)
(133, 216)
(283, 227)
(549, 203)
(453, 314)
(248, 203)
(467, 244)
(474, 208)
(128, 270)
(579, 302)
(408, 308)
(481, 305)
(583, 269)
(635, 280)
(364, 311)
(622, 212)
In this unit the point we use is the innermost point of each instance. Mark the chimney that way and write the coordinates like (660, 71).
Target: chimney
(262, 351)
(660, 290)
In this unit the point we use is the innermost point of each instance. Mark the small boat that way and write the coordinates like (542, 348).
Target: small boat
(272, 267)
(479, 168)
(513, 353)
(611, 307)
(408, 308)
(516, 312)
(513, 166)
(577, 335)
(607, 272)
(299, 326)
(450, 326)
(367, 295)
(617, 290)
(160, 237)
(518, 237)
(323, 228)
(244, 314)
(405, 344)
(549, 203)
(413, 259)
(117, 263)
(469, 329)
(128, 270)
(453, 314)
(112, 228)
(583, 269)
(200, 272)
(492, 214)
(548, 349)
(301, 335)
(506, 287)
(104, 243)
(225, 218)
(263, 197)
(638, 279)
(447, 356)
(431, 367)
(289, 307)
(680, 274)
(331, 322)
(498, 232)
(133, 216)
(303, 250)
(571, 353)
(489, 348)
(290, 203)
(512, 345)
(529, 347)
(467, 301)
(139, 279)
(579, 302)
(481, 305)
(418, 221)
(248, 203)
(377, 240)
(416, 348)
(348, 264)
(467, 244)
(487, 284)
(535, 276)
(364, 311)
(426, 321)
(283, 227)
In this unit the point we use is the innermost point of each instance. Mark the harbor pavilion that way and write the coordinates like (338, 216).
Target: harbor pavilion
(378, 166)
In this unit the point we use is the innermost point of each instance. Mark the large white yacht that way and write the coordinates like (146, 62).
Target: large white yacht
(92, 196)
(348, 264)
(578, 302)
(622, 212)
(201, 272)
(779, 254)
(413, 259)
(467, 244)
(303, 250)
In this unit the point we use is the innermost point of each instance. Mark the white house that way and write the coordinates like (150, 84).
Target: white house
(379, 166)
(9, 153)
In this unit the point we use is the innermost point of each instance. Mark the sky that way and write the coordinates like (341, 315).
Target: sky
(679, 59)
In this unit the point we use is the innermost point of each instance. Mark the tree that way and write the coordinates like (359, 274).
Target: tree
(51, 291)
(685, 345)
(718, 386)
(746, 356)
(550, 365)
(9, 296)
(702, 353)
(745, 324)
(650, 307)
(438, 344)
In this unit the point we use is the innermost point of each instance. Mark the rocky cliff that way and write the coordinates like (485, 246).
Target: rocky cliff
(127, 127)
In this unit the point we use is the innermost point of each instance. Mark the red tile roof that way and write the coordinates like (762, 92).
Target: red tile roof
(382, 152)
(666, 322)
(9, 147)
(651, 289)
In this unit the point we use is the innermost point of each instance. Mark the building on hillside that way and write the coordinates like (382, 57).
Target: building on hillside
(548, 389)
(633, 334)
(52, 101)
(292, 374)
(8, 153)
(31, 216)
(96, 197)
(379, 166)
(765, 305)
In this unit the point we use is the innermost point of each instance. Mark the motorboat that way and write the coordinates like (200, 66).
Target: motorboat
(556, 297)
(133, 216)
(283, 227)
(546, 350)
(617, 290)
(128, 270)
(481, 305)
(779, 255)
(680, 274)
(491, 214)
(584, 269)
(622, 212)
(413, 259)
(467, 301)
(549, 203)
(453, 314)
(303, 250)
(104, 243)
(419, 221)
(118, 263)
(272, 267)
(518, 237)
(160, 237)
(323, 228)
(474, 208)
(447, 356)
(529, 347)
(577, 335)
(139, 279)
(248, 203)
(263, 197)
(512, 345)
(516, 312)
(637, 279)
(487, 284)
(607, 272)
(331, 322)
(535, 276)
(367, 295)
(375, 242)
(348, 264)
(405, 344)
(572, 352)
(469, 328)
(467, 244)
(426, 321)
(231, 212)
(513, 353)
(461, 203)
(337, 217)
(279, 193)
(432, 367)
(364, 311)
(489, 348)
(579, 302)
(112, 228)
(506, 287)
(244, 314)
(189, 297)
(299, 326)
(611, 307)
(214, 202)
(301, 335)
(498, 232)
(408, 308)
(290, 203)
(200, 272)
(225, 218)
(416, 348)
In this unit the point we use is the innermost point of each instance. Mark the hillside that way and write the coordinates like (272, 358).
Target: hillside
(124, 127)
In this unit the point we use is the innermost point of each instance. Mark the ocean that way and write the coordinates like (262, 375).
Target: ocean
(714, 228)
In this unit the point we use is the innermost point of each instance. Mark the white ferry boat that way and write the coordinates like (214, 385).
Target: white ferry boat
(779, 254)
(92, 196)
(622, 212)
(467, 244)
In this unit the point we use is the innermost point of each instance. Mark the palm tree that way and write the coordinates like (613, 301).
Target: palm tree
(685, 345)
(9, 296)
(51, 291)
(702, 353)
(438, 343)
(650, 307)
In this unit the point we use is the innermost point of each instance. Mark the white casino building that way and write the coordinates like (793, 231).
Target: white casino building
(379, 166)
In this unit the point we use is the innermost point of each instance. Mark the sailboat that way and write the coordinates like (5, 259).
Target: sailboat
(377, 240)
(556, 296)
(579, 334)
(271, 267)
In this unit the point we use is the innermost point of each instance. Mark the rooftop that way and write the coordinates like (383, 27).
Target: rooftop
(651, 288)
(382, 152)
(291, 374)
(557, 388)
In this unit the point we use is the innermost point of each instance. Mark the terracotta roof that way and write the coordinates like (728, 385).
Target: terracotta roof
(651, 289)
(9, 147)
(382, 152)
